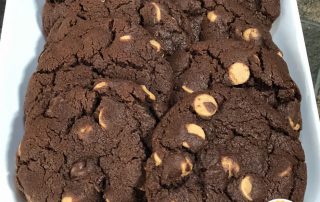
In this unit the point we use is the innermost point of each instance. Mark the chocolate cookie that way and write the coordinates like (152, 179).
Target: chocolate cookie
(240, 65)
(84, 138)
(114, 48)
(225, 145)
(247, 20)
(57, 10)
(169, 25)
(266, 11)
(164, 21)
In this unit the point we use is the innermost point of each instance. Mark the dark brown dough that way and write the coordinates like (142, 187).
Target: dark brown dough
(161, 18)
(85, 138)
(239, 65)
(115, 48)
(212, 143)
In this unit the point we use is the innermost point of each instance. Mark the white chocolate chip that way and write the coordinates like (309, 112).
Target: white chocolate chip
(66, 199)
(150, 95)
(158, 11)
(246, 187)
(186, 167)
(102, 122)
(251, 34)
(125, 38)
(230, 166)
(239, 73)
(280, 54)
(100, 85)
(155, 44)
(157, 159)
(286, 172)
(19, 150)
(212, 17)
(294, 126)
(28, 198)
(257, 59)
(185, 144)
(186, 89)
(196, 130)
(205, 105)
(280, 200)
(84, 131)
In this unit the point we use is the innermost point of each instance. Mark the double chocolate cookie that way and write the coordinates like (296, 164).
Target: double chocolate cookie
(55, 11)
(114, 48)
(226, 144)
(177, 24)
(239, 65)
(161, 100)
(247, 20)
(161, 18)
(84, 138)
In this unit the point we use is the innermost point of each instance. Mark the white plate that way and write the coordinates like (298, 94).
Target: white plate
(21, 43)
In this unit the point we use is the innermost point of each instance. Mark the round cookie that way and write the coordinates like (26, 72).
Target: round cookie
(240, 65)
(164, 21)
(114, 48)
(224, 145)
(84, 138)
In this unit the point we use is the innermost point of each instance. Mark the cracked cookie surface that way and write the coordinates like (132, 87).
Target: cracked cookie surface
(239, 65)
(224, 145)
(56, 10)
(114, 48)
(177, 24)
(161, 18)
(233, 19)
(85, 138)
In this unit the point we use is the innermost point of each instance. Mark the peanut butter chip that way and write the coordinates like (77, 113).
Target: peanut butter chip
(251, 34)
(186, 167)
(157, 159)
(19, 150)
(294, 126)
(186, 89)
(286, 172)
(125, 38)
(100, 85)
(155, 44)
(280, 54)
(212, 17)
(205, 105)
(150, 95)
(185, 144)
(256, 58)
(85, 131)
(229, 165)
(102, 121)
(158, 11)
(66, 199)
(107, 200)
(194, 129)
(246, 187)
(239, 73)
(28, 198)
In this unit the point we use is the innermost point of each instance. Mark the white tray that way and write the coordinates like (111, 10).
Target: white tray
(21, 43)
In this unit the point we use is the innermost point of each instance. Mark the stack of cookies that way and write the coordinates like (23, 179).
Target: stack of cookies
(162, 100)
